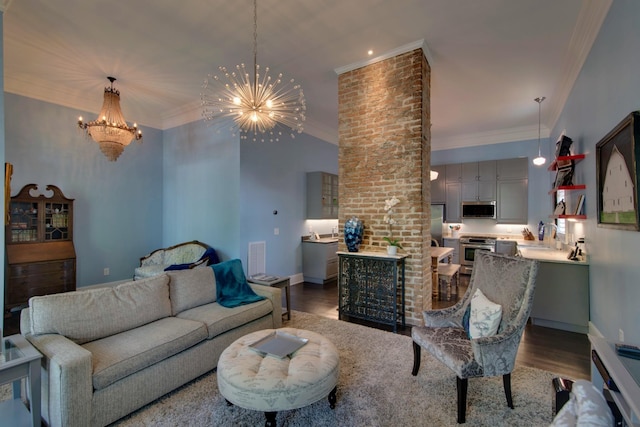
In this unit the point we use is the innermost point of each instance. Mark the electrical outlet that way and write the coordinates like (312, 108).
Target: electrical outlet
(106, 271)
(620, 335)
(276, 231)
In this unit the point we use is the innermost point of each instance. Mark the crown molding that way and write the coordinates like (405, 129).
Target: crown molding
(418, 44)
(523, 133)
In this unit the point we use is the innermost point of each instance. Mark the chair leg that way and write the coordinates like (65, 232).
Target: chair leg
(462, 398)
(506, 380)
(416, 359)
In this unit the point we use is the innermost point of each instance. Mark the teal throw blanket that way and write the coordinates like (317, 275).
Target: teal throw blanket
(232, 289)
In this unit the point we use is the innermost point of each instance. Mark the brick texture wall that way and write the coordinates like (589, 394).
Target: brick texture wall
(384, 151)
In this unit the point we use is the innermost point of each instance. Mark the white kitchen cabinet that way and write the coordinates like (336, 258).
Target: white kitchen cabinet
(450, 242)
(438, 186)
(319, 261)
(453, 202)
(322, 195)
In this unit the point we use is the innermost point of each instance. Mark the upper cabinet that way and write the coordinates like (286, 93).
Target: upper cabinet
(322, 195)
(478, 181)
(512, 187)
(438, 186)
(504, 181)
(512, 169)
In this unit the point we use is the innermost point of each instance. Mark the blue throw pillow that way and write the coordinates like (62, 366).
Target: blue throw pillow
(211, 255)
(465, 320)
(178, 267)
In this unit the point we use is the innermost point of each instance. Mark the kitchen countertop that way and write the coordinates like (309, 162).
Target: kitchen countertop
(322, 239)
(546, 254)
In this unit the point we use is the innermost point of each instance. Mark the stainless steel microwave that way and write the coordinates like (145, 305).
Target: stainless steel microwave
(486, 210)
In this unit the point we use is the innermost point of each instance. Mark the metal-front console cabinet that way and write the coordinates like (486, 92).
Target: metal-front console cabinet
(371, 287)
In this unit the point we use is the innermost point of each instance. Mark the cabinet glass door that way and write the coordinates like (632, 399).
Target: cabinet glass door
(56, 221)
(24, 222)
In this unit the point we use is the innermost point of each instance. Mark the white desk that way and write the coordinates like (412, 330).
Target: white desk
(622, 370)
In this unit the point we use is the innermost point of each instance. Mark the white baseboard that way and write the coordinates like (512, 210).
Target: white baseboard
(296, 279)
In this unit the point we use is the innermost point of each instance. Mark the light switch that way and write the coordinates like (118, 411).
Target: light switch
(276, 231)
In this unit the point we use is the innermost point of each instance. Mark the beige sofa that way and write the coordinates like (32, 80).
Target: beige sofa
(109, 351)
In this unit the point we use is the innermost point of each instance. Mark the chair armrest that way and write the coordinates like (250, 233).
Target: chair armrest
(497, 354)
(67, 386)
(275, 296)
(444, 318)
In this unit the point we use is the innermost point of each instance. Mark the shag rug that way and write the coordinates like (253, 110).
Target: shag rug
(375, 388)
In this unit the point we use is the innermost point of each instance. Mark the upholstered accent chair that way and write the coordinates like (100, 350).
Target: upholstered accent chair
(505, 281)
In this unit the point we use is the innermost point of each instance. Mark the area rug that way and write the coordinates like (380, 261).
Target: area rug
(375, 388)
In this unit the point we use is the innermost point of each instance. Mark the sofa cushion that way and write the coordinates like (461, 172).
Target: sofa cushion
(219, 319)
(88, 315)
(123, 354)
(191, 288)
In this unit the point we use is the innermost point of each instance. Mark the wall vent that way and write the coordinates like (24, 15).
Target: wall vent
(257, 258)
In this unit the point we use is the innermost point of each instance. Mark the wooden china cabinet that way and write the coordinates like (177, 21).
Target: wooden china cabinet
(39, 244)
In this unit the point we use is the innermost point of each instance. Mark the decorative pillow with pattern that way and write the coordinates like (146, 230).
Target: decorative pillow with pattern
(484, 316)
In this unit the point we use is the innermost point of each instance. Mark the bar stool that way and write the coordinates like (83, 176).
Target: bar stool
(446, 273)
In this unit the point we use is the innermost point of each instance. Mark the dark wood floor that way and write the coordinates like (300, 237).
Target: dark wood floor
(561, 352)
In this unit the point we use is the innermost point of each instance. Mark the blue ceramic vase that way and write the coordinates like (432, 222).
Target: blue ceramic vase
(353, 231)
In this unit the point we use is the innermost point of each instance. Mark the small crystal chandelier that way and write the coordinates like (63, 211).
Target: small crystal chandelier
(256, 105)
(539, 161)
(110, 130)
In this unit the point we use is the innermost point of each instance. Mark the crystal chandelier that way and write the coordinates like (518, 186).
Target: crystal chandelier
(255, 105)
(110, 130)
(539, 161)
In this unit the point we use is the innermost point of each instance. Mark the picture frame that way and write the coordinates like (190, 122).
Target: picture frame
(617, 169)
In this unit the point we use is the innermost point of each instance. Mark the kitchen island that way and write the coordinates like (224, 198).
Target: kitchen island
(562, 290)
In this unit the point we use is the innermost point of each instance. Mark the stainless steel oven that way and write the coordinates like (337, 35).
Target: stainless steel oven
(468, 247)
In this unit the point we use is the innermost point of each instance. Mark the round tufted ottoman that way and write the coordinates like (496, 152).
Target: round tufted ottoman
(252, 380)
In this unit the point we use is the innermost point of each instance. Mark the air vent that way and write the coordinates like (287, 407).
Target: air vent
(257, 258)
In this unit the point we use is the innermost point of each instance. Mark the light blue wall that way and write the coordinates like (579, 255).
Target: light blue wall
(223, 191)
(118, 205)
(201, 186)
(605, 92)
(540, 179)
(273, 177)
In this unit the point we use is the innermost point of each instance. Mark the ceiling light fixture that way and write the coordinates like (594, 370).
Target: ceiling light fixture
(110, 130)
(258, 105)
(539, 161)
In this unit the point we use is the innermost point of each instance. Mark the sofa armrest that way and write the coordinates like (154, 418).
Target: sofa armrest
(275, 296)
(67, 390)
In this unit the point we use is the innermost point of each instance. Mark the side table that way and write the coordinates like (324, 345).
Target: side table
(20, 360)
(275, 282)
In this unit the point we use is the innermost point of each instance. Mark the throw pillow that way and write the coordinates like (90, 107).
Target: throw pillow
(465, 320)
(484, 317)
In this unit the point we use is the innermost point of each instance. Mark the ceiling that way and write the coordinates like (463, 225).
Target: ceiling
(489, 58)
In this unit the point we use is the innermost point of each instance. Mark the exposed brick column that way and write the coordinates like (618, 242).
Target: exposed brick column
(385, 150)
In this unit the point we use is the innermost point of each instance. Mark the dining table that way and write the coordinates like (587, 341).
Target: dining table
(438, 254)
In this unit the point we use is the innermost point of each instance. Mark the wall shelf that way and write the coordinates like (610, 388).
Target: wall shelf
(568, 188)
(576, 157)
(568, 216)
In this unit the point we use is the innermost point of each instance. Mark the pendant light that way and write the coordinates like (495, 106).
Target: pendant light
(539, 161)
